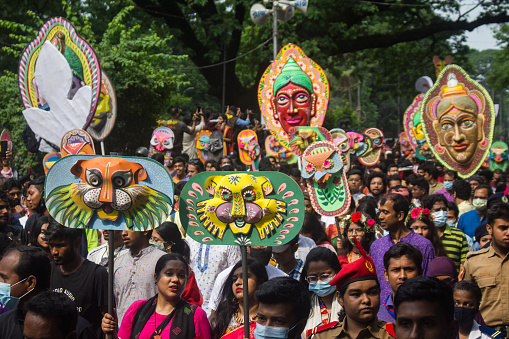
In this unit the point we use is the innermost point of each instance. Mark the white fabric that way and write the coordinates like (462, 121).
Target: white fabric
(475, 332)
(315, 317)
(305, 245)
(189, 143)
(215, 295)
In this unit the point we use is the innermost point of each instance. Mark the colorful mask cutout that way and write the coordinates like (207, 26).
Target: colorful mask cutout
(49, 160)
(106, 112)
(293, 92)
(342, 142)
(498, 156)
(76, 141)
(440, 64)
(103, 192)
(202, 140)
(458, 118)
(59, 81)
(215, 146)
(326, 180)
(404, 144)
(275, 149)
(301, 137)
(249, 149)
(367, 146)
(161, 142)
(422, 149)
(408, 121)
(243, 208)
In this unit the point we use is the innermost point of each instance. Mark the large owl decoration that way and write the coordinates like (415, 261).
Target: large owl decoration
(202, 140)
(326, 180)
(227, 208)
(301, 137)
(102, 192)
(498, 156)
(162, 142)
(249, 149)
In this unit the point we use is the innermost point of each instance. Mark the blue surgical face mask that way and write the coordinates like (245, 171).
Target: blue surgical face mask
(440, 218)
(322, 288)
(270, 332)
(450, 223)
(5, 295)
(448, 185)
(158, 245)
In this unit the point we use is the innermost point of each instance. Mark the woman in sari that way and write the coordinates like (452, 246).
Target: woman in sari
(228, 321)
(166, 315)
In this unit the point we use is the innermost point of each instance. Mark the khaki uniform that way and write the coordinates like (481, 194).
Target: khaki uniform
(375, 330)
(491, 273)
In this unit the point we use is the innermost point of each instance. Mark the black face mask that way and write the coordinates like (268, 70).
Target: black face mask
(262, 255)
(464, 315)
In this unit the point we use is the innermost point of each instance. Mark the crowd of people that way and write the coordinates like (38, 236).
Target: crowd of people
(420, 253)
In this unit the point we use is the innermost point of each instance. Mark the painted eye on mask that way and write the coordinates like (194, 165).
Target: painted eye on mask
(226, 194)
(122, 179)
(94, 178)
(249, 195)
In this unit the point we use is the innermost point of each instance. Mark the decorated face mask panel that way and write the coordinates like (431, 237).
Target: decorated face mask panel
(342, 142)
(302, 137)
(458, 119)
(202, 144)
(367, 146)
(408, 120)
(161, 142)
(293, 92)
(249, 149)
(76, 141)
(498, 156)
(265, 209)
(104, 192)
(275, 149)
(326, 180)
(440, 64)
(422, 150)
(106, 112)
(50, 159)
(404, 144)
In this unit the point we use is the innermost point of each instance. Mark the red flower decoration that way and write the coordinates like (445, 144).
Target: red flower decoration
(415, 213)
(356, 217)
(371, 222)
(322, 185)
(337, 181)
(426, 212)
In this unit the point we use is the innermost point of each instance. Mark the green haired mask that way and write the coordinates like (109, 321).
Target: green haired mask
(292, 72)
(417, 119)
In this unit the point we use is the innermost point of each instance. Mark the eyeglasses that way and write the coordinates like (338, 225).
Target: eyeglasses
(325, 277)
(355, 231)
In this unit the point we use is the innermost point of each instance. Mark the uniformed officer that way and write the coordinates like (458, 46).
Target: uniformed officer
(489, 269)
(359, 294)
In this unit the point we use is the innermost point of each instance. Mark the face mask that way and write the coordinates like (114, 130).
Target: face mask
(322, 288)
(158, 245)
(479, 204)
(450, 223)
(270, 332)
(465, 316)
(5, 295)
(448, 185)
(440, 218)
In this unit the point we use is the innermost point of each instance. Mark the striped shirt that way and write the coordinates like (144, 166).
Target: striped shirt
(456, 245)
(296, 272)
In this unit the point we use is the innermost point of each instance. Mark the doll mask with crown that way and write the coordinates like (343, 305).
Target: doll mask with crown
(458, 117)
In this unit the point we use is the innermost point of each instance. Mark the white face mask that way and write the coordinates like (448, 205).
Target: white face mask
(479, 204)
(440, 218)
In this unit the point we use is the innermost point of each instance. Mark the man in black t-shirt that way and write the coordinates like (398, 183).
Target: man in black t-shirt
(81, 280)
(6, 205)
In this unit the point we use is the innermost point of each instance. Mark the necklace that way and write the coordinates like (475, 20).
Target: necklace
(156, 331)
(350, 256)
(238, 318)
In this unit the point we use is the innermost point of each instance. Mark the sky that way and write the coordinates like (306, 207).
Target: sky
(482, 38)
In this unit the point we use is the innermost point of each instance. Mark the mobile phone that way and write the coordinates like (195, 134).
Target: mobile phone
(3, 148)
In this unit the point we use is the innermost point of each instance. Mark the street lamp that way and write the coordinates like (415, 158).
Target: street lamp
(281, 10)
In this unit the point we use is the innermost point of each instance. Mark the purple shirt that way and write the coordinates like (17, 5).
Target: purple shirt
(446, 195)
(382, 245)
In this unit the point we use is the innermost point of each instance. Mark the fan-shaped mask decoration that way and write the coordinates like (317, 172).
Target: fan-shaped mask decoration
(104, 117)
(202, 140)
(76, 141)
(249, 149)
(59, 80)
(458, 118)
(326, 180)
(498, 156)
(161, 142)
(408, 121)
(293, 92)
(302, 137)
(367, 146)
(243, 208)
(102, 192)
(440, 64)
(49, 160)
(422, 149)
(342, 142)
(275, 149)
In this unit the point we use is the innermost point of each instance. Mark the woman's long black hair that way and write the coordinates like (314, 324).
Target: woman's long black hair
(228, 304)
(170, 233)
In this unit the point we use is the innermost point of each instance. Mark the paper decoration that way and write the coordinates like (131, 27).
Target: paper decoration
(367, 146)
(423, 84)
(408, 122)
(49, 160)
(458, 119)
(243, 208)
(104, 118)
(293, 91)
(202, 140)
(249, 149)
(326, 179)
(77, 141)
(440, 64)
(161, 142)
(498, 156)
(104, 192)
(342, 142)
(59, 81)
(215, 146)
(404, 144)
(301, 137)
(275, 149)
